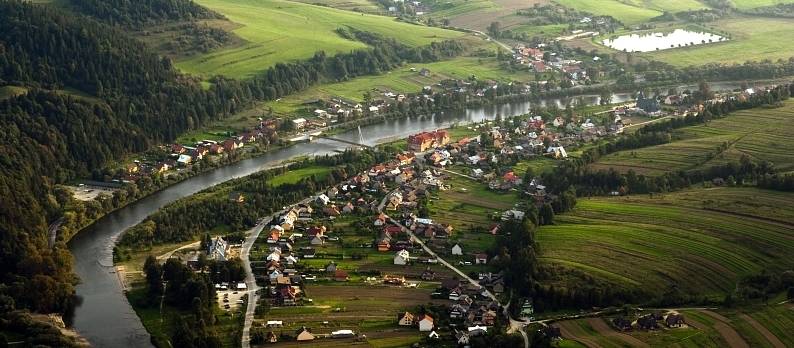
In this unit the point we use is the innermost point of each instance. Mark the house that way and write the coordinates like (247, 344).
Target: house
(299, 123)
(341, 276)
(303, 334)
(217, 249)
(380, 220)
(674, 320)
(322, 199)
(317, 240)
(425, 323)
(422, 141)
(406, 319)
(384, 244)
(402, 257)
(331, 211)
(236, 197)
(538, 67)
(477, 330)
(428, 274)
(649, 105)
(621, 324)
(556, 152)
(425, 72)
(457, 250)
(178, 149)
(480, 259)
(462, 338)
(433, 335)
(271, 337)
(184, 160)
(647, 322)
(343, 334)
(488, 317)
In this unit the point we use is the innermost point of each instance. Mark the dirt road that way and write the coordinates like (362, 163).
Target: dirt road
(764, 331)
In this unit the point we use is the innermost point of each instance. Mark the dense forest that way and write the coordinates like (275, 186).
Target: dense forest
(139, 13)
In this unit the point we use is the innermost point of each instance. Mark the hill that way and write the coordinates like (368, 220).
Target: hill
(682, 240)
(278, 31)
(761, 133)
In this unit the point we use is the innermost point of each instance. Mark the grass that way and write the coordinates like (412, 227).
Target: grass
(751, 38)
(281, 31)
(762, 134)
(748, 4)
(628, 14)
(658, 242)
(402, 80)
(293, 176)
(11, 91)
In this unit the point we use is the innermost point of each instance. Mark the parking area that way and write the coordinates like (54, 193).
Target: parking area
(89, 192)
(230, 300)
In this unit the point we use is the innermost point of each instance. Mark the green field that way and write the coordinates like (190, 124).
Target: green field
(11, 91)
(751, 38)
(282, 31)
(628, 14)
(762, 134)
(293, 176)
(656, 242)
(402, 80)
(747, 4)
(704, 328)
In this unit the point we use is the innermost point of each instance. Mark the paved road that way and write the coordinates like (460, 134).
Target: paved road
(250, 280)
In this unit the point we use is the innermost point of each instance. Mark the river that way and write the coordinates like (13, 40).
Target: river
(105, 317)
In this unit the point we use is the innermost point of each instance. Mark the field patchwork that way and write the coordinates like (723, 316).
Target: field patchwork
(658, 242)
(762, 134)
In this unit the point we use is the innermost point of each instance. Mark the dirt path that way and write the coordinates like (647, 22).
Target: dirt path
(760, 328)
(568, 332)
(603, 329)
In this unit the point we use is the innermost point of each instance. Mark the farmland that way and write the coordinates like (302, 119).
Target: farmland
(402, 80)
(747, 4)
(762, 134)
(751, 38)
(625, 13)
(756, 326)
(658, 242)
(272, 29)
(371, 310)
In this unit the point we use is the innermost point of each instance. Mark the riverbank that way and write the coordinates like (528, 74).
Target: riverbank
(105, 317)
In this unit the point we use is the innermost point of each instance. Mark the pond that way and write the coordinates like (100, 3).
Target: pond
(648, 42)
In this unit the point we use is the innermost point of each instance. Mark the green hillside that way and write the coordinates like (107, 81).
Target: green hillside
(280, 31)
(657, 242)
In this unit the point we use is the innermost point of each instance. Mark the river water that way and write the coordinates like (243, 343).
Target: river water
(104, 316)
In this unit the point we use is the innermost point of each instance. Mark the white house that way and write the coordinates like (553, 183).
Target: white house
(323, 199)
(299, 123)
(477, 330)
(457, 250)
(402, 257)
(425, 323)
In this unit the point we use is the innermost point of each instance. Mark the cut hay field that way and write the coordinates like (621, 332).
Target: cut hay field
(753, 326)
(281, 31)
(751, 38)
(370, 310)
(626, 13)
(658, 242)
(763, 134)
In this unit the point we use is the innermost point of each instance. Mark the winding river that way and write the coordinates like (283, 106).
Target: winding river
(104, 316)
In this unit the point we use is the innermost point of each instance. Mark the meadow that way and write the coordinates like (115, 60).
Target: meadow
(656, 242)
(628, 14)
(762, 134)
(754, 326)
(751, 39)
(748, 4)
(282, 31)
(401, 80)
